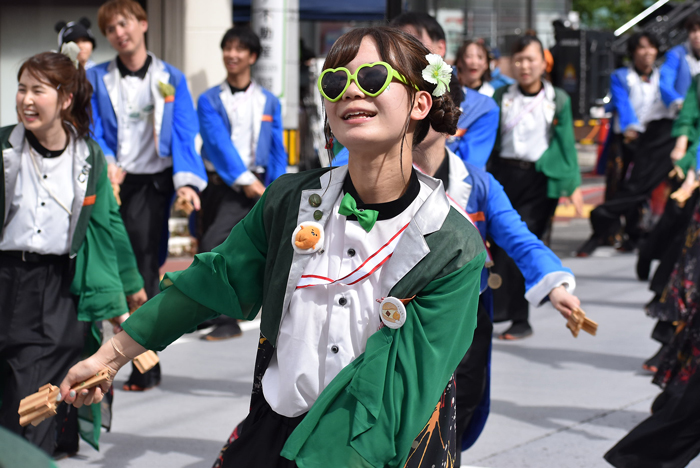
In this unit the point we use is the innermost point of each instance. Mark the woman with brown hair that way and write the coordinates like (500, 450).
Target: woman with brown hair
(65, 259)
(473, 70)
(367, 277)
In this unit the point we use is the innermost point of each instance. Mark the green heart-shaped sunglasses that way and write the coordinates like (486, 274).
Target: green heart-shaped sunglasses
(371, 78)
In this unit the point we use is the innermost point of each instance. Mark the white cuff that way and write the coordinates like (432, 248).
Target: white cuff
(537, 295)
(182, 179)
(110, 159)
(639, 128)
(244, 179)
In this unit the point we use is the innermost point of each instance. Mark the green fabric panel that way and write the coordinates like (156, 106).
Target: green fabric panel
(687, 121)
(373, 410)
(97, 282)
(90, 417)
(560, 161)
(226, 281)
(4, 144)
(15, 452)
(280, 219)
(97, 163)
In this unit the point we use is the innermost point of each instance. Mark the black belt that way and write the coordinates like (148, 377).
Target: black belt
(517, 163)
(31, 257)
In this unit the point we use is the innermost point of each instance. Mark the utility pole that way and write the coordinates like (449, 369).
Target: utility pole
(276, 22)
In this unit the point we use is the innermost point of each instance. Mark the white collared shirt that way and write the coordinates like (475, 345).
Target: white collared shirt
(241, 114)
(36, 222)
(137, 153)
(326, 327)
(693, 62)
(529, 139)
(645, 99)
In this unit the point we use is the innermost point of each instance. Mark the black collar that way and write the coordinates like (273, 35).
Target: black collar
(140, 73)
(530, 94)
(443, 172)
(644, 76)
(39, 148)
(235, 90)
(386, 210)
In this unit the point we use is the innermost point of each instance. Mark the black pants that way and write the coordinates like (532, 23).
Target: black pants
(40, 338)
(651, 166)
(669, 438)
(471, 375)
(222, 208)
(146, 200)
(527, 190)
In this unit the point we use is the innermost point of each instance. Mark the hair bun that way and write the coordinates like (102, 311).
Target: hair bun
(444, 115)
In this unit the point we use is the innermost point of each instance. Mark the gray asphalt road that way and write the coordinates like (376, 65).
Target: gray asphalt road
(557, 401)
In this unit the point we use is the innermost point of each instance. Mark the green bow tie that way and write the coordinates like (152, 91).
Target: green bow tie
(366, 218)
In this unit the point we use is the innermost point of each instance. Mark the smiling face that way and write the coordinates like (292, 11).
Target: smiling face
(474, 64)
(38, 105)
(529, 65)
(237, 58)
(360, 122)
(644, 55)
(126, 34)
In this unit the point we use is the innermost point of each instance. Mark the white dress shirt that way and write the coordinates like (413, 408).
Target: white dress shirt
(36, 222)
(241, 115)
(326, 327)
(645, 98)
(529, 138)
(136, 153)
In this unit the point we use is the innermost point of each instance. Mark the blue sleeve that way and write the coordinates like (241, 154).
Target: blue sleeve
(667, 80)
(476, 145)
(277, 162)
(621, 101)
(97, 129)
(217, 143)
(188, 167)
(534, 259)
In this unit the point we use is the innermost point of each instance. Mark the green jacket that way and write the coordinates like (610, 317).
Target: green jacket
(371, 412)
(688, 123)
(105, 265)
(560, 161)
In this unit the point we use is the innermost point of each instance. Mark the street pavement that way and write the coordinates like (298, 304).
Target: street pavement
(557, 401)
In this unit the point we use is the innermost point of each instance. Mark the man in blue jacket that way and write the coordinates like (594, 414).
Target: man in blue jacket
(241, 129)
(682, 63)
(145, 122)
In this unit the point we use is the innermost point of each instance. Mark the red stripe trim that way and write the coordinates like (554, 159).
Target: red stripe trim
(316, 276)
(375, 254)
(373, 270)
(89, 200)
(478, 216)
(267, 118)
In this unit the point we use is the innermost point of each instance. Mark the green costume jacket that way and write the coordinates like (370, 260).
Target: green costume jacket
(371, 412)
(105, 265)
(688, 123)
(560, 161)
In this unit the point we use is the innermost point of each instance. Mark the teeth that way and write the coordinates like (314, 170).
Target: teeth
(358, 114)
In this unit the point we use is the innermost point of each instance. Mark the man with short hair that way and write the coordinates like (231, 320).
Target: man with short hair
(145, 122)
(476, 130)
(241, 129)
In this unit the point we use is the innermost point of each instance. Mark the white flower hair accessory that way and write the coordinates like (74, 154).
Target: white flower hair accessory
(71, 50)
(439, 73)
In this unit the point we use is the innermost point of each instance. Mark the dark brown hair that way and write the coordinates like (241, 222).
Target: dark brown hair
(119, 7)
(406, 55)
(486, 76)
(59, 72)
